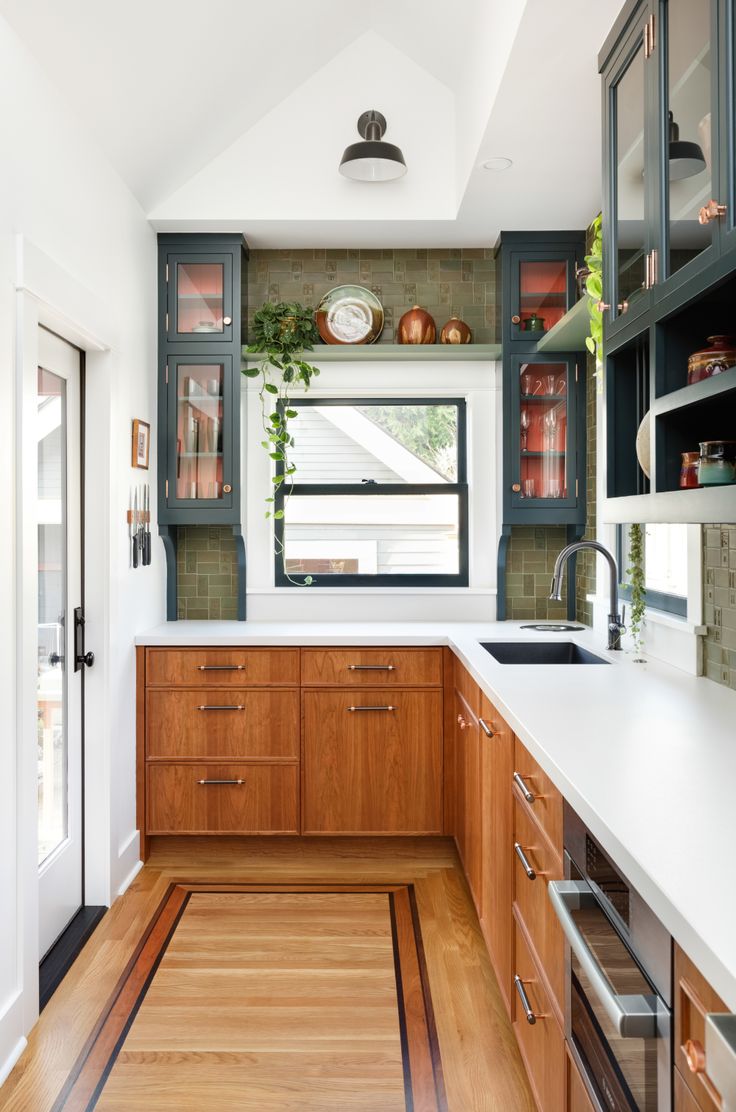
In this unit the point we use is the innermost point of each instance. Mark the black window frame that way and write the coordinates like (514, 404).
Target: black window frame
(654, 600)
(460, 488)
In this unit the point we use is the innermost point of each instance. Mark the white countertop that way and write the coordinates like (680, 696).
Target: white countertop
(645, 753)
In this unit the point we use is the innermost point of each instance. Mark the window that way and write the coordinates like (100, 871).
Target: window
(665, 566)
(380, 494)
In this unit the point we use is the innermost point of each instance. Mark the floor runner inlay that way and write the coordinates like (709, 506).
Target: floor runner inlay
(268, 997)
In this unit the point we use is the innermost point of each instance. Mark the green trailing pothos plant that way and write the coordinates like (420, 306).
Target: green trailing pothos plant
(594, 291)
(281, 333)
(636, 575)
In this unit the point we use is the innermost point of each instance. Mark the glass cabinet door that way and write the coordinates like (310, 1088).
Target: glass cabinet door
(199, 302)
(727, 126)
(542, 442)
(541, 292)
(691, 156)
(627, 140)
(199, 451)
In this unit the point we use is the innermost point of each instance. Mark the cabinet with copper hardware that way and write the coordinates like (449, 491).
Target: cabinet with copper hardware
(202, 279)
(694, 999)
(534, 788)
(372, 760)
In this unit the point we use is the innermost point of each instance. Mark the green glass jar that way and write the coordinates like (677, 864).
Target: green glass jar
(717, 463)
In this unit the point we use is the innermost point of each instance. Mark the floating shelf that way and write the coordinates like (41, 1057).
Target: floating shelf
(570, 333)
(409, 353)
(696, 393)
(692, 507)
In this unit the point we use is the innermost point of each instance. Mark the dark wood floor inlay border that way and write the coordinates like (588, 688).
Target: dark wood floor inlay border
(423, 1079)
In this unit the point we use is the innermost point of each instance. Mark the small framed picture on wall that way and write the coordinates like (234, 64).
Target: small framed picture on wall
(141, 443)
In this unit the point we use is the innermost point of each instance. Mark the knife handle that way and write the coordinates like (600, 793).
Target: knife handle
(135, 550)
(146, 548)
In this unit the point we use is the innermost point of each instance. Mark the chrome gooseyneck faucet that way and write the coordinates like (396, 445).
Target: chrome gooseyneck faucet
(615, 620)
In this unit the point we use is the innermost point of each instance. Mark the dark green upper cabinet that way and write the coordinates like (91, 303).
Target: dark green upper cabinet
(668, 117)
(201, 305)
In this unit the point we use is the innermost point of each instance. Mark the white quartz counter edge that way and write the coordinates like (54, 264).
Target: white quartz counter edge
(644, 753)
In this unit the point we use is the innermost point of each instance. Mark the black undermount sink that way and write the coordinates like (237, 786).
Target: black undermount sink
(540, 652)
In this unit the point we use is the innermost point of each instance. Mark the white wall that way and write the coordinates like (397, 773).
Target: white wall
(58, 193)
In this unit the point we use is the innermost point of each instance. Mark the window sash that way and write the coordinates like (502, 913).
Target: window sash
(654, 600)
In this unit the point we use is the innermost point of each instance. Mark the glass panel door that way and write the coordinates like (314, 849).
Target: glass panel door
(688, 129)
(542, 294)
(199, 431)
(200, 298)
(627, 106)
(543, 431)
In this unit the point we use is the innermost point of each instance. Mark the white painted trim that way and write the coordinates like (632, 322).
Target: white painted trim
(10, 1059)
(132, 874)
(374, 592)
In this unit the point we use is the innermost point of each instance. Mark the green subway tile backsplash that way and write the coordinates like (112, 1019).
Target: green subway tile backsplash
(530, 563)
(206, 566)
(446, 282)
(719, 603)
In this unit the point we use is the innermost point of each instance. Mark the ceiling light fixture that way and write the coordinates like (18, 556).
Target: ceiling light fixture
(372, 160)
(498, 163)
(686, 159)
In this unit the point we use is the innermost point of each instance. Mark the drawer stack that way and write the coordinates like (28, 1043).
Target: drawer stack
(221, 741)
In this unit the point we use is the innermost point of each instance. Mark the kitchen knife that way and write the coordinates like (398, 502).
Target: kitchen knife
(130, 525)
(135, 528)
(147, 528)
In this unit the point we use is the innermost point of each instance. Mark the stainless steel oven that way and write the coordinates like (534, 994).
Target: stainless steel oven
(619, 980)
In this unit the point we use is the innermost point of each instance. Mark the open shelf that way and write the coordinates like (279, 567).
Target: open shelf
(570, 333)
(701, 506)
(375, 353)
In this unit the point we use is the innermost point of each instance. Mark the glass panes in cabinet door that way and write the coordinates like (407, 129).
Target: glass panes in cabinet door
(688, 128)
(542, 294)
(200, 297)
(630, 204)
(199, 417)
(543, 430)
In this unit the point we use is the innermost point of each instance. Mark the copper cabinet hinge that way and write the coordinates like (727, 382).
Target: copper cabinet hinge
(650, 40)
(167, 374)
(167, 488)
(167, 274)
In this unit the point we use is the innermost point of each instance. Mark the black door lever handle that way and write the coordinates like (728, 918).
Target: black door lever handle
(86, 658)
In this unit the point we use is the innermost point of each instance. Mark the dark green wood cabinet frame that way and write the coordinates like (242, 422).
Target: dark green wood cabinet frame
(178, 348)
(520, 347)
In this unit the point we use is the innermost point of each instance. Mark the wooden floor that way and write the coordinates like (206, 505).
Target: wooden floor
(325, 965)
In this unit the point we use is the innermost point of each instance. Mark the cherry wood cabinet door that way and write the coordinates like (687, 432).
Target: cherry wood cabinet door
(577, 1095)
(468, 820)
(496, 770)
(223, 799)
(222, 724)
(534, 786)
(372, 667)
(694, 998)
(372, 761)
(541, 1041)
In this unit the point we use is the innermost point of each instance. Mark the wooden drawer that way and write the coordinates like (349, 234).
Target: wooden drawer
(372, 667)
(265, 802)
(577, 1095)
(468, 688)
(694, 998)
(222, 667)
(541, 1044)
(684, 1099)
(547, 804)
(236, 724)
(532, 902)
(372, 771)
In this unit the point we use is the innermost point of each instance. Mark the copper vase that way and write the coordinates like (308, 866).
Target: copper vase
(417, 327)
(456, 331)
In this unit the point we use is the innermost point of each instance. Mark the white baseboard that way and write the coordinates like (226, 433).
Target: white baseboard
(129, 862)
(130, 878)
(11, 1059)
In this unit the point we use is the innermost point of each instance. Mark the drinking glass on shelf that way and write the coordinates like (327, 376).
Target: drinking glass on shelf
(529, 488)
(554, 490)
(525, 422)
(550, 427)
(561, 385)
(527, 384)
(549, 384)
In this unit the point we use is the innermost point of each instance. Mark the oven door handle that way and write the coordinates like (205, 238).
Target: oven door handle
(634, 1017)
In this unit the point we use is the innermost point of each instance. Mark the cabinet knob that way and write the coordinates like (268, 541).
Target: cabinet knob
(695, 1055)
(516, 487)
(711, 211)
(227, 320)
(602, 306)
(516, 319)
(227, 488)
(461, 722)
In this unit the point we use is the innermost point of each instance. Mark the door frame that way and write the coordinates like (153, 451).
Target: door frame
(48, 296)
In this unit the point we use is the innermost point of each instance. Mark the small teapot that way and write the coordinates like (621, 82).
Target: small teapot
(534, 323)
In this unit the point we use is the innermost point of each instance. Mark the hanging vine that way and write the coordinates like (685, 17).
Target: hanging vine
(636, 575)
(594, 291)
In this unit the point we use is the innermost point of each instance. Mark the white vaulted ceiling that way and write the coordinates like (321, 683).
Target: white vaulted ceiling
(234, 114)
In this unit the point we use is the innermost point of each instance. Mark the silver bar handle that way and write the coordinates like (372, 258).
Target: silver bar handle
(485, 727)
(371, 667)
(528, 794)
(530, 872)
(352, 709)
(221, 667)
(221, 706)
(525, 1003)
(236, 782)
(634, 1016)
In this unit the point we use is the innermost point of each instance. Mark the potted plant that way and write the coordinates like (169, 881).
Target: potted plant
(281, 333)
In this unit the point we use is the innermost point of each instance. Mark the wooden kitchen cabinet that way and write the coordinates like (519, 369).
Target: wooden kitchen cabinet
(222, 724)
(540, 796)
(372, 667)
(468, 817)
(372, 761)
(694, 998)
(201, 667)
(577, 1095)
(496, 824)
(222, 799)
(541, 1042)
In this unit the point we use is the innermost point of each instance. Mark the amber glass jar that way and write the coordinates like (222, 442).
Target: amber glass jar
(689, 470)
